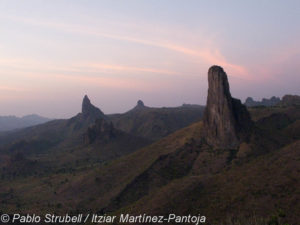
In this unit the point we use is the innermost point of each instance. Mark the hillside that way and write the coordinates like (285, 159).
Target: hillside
(155, 123)
(103, 181)
(181, 166)
(264, 187)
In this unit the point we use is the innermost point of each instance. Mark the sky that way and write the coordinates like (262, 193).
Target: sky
(53, 52)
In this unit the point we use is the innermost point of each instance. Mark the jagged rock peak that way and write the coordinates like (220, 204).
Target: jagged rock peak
(140, 103)
(85, 103)
(226, 121)
(88, 109)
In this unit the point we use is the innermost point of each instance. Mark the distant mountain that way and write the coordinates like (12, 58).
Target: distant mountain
(87, 138)
(12, 122)
(289, 100)
(264, 102)
(43, 137)
(155, 123)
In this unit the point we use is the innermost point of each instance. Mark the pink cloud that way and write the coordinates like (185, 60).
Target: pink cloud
(209, 54)
(114, 67)
(118, 83)
(11, 88)
(35, 65)
(45, 80)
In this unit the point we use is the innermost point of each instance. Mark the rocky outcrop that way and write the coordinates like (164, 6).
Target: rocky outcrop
(89, 114)
(140, 106)
(226, 120)
(265, 102)
(140, 103)
(289, 100)
(101, 129)
(89, 110)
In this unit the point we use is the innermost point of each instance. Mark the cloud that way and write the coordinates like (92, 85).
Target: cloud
(209, 54)
(107, 82)
(8, 88)
(37, 81)
(39, 75)
(94, 67)
(30, 65)
(213, 57)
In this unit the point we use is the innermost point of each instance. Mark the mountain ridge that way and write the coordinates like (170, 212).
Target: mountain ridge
(8, 123)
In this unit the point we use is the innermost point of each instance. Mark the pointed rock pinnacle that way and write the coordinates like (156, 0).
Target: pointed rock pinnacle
(226, 121)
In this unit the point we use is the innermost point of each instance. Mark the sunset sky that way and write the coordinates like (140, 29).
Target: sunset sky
(53, 52)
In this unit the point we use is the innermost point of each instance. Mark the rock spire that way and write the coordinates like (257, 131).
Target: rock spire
(226, 121)
(89, 110)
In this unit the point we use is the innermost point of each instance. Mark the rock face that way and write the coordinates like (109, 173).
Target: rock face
(88, 110)
(226, 121)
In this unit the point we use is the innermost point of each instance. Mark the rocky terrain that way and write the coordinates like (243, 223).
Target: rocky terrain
(234, 166)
